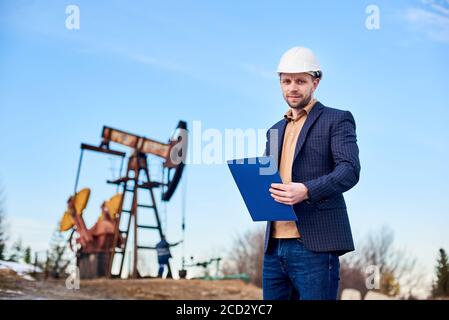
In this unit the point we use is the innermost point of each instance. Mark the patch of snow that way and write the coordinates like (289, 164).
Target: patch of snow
(28, 277)
(351, 294)
(18, 292)
(19, 268)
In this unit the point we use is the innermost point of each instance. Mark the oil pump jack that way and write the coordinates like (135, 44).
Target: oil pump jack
(107, 241)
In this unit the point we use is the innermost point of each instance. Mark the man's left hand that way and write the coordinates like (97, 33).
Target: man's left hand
(289, 193)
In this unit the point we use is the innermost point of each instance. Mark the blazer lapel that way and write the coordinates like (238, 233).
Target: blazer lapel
(280, 130)
(311, 118)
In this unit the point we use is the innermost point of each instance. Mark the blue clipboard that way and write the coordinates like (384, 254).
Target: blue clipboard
(254, 177)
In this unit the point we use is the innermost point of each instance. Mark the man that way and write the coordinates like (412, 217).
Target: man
(317, 153)
(164, 255)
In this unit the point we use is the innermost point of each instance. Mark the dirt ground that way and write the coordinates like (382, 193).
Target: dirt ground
(13, 286)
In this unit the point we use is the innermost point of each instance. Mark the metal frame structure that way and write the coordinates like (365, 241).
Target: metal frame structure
(138, 177)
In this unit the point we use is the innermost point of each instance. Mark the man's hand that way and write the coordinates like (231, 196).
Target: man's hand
(289, 193)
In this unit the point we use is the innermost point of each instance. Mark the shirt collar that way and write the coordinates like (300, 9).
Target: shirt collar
(306, 110)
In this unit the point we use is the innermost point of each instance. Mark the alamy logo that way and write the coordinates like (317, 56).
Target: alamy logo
(372, 22)
(72, 22)
(373, 279)
(73, 280)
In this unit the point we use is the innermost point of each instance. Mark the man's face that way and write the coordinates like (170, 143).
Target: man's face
(298, 88)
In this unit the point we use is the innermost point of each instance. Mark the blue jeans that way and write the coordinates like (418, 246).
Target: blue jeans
(292, 272)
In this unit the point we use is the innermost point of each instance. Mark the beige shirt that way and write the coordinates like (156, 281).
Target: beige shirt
(288, 229)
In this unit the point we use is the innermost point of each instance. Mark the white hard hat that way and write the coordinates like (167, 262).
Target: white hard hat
(298, 60)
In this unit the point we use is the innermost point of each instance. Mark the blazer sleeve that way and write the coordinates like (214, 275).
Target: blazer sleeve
(345, 154)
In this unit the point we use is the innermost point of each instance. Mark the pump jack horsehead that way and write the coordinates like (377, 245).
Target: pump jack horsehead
(106, 242)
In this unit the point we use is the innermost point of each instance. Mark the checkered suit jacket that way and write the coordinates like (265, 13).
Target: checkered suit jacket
(326, 160)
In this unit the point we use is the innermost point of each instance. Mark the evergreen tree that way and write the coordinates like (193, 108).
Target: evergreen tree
(27, 255)
(441, 285)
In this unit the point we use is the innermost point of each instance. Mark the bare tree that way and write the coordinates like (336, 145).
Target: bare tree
(352, 275)
(246, 256)
(58, 258)
(16, 252)
(397, 269)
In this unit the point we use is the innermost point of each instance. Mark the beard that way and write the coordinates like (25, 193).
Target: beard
(301, 104)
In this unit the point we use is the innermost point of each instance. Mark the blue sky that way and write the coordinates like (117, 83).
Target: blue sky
(142, 66)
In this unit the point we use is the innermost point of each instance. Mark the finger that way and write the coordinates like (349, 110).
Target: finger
(277, 192)
(280, 193)
(283, 202)
(284, 199)
(280, 186)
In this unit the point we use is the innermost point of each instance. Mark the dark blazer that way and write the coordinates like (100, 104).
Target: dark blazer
(326, 160)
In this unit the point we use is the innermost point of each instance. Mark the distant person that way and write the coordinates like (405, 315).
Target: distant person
(164, 255)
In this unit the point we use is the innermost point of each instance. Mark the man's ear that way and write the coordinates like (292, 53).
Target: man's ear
(316, 82)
